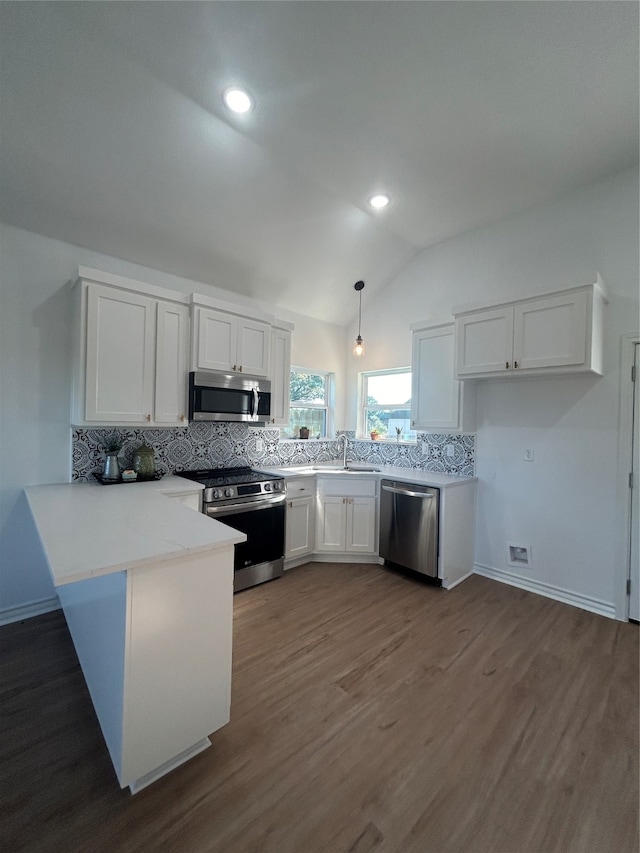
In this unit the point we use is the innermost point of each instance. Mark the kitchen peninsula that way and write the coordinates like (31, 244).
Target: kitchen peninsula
(146, 585)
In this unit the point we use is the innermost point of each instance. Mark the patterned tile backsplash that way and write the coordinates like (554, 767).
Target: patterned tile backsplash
(224, 445)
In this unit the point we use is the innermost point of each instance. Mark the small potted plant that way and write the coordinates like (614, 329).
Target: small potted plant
(398, 433)
(304, 432)
(375, 435)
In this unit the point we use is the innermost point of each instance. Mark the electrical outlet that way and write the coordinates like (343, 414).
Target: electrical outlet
(259, 445)
(528, 455)
(450, 450)
(424, 448)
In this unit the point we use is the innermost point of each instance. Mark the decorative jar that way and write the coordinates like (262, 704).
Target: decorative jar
(144, 463)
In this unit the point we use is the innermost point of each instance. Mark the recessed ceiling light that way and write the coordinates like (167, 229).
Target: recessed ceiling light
(237, 100)
(379, 200)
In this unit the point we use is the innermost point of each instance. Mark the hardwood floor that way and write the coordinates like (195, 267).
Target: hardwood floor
(370, 712)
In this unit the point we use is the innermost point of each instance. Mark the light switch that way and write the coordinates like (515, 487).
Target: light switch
(528, 455)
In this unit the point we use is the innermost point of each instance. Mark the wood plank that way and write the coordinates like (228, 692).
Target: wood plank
(370, 712)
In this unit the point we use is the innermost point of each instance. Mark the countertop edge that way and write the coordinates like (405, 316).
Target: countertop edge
(437, 479)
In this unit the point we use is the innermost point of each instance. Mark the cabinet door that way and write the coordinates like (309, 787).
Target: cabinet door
(435, 396)
(120, 356)
(217, 340)
(300, 527)
(331, 524)
(254, 340)
(551, 332)
(361, 525)
(172, 363)
(280, 375)
(484, 342)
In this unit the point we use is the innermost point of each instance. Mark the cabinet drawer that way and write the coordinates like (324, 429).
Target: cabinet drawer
(302, 487)
(351, 486)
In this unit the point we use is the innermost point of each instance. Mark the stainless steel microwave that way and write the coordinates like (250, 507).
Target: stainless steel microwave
(228, 397)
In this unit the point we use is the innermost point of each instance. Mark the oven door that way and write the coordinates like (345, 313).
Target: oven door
(261, 557)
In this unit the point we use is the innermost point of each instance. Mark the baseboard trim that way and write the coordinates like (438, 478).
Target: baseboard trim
(26, 611)
(371, 559)
(594, 605)
(447, 585)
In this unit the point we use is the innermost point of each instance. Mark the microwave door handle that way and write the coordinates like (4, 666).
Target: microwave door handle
(255, 403)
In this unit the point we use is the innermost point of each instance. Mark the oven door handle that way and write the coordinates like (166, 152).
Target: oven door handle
(263, 503)
(256, 400)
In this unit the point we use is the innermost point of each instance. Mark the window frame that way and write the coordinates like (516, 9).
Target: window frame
(364, 407)
(327, 406)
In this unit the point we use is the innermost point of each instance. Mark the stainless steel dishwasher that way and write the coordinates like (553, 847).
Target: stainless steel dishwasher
(409, 526)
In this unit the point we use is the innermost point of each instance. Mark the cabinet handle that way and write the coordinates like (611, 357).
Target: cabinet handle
(507, 365)
(148, 417)
(515, 363)
(234, 367)
(240, 368)
(291, 503)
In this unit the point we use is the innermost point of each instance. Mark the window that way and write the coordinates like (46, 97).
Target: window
(385, 408)
(310, 392)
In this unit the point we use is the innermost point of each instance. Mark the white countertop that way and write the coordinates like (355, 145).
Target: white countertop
(390, 472)
(87, 529)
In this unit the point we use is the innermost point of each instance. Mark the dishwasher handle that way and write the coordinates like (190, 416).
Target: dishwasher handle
(406, 492)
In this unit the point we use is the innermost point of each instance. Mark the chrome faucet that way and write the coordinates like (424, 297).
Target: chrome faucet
(344, 438)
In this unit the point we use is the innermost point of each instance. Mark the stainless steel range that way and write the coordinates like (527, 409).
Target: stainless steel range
(253, 503)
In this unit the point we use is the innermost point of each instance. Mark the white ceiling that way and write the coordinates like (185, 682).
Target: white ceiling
(114, 136)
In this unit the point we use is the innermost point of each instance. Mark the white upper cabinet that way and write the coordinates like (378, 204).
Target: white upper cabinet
(556, 333)
(172, 363)
(280, 375)
(230, 343)
(132, 355)
(484, 342)
(120, 348)
(438, 400)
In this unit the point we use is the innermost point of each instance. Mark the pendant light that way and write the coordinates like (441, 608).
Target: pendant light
(359, 347)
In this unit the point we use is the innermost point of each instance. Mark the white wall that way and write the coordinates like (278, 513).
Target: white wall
(35, 387)
(564, 502)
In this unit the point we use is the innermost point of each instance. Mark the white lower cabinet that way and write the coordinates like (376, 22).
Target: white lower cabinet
(300, 518)
(346, 515)
(300, 524)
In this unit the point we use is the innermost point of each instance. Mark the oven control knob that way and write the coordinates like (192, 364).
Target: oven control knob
(215, 494)
(267, 487)
(228, 493)
(277, 486)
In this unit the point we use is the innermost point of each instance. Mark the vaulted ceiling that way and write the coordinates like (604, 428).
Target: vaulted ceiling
(115, 136)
